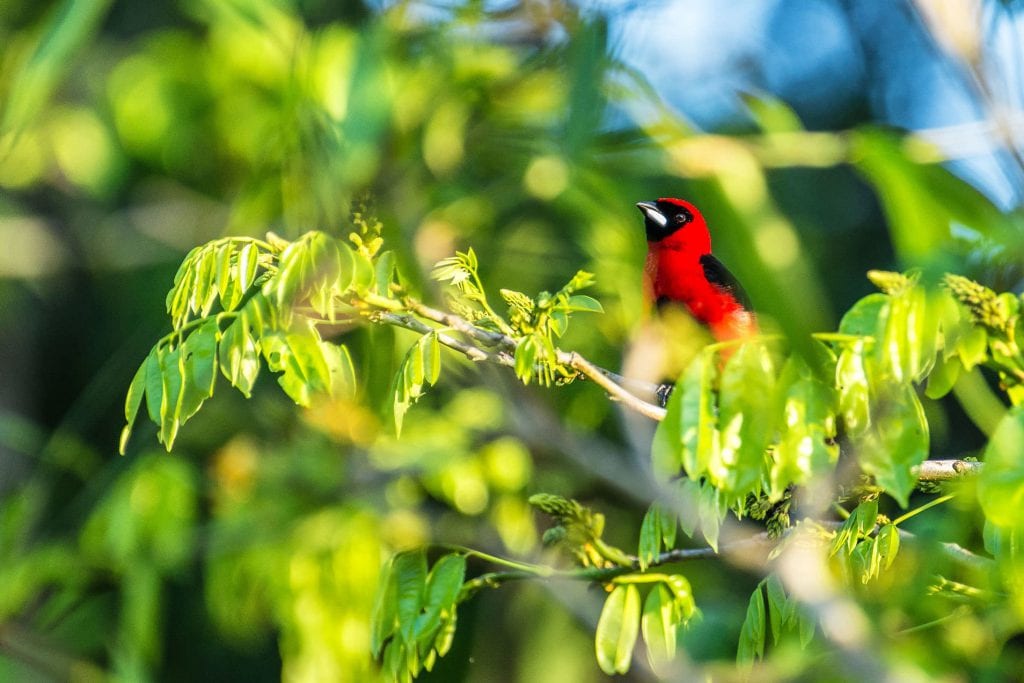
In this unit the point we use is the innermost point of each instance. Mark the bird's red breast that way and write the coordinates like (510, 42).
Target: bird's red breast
(681, 269)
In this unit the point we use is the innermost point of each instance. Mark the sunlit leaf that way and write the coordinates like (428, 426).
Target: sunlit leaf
(752, 633)
(172, 371)
(410, 575)
(862, 318)
(650, 537)
(852, 385)
(617, 629)
(778, 606)
(747, 390)
(659, 626)
(888, 540)
(1001, 482)
(132, 402)
(896, 443)
(943, 377)
(384, 618)
(199, 355)
(582, 302)
(239, 356)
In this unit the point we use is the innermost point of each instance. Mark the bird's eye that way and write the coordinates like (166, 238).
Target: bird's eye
(680, 218)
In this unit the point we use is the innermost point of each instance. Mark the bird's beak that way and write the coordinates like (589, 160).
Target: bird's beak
(650, 211)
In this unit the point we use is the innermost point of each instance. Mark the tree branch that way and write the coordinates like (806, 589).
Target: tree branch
(620, 388)
(946, 470)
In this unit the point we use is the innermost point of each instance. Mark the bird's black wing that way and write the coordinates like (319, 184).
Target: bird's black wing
(718, 275)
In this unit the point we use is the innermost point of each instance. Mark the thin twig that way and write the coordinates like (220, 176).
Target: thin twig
(599, 376)
(473, 353)
(946, 470)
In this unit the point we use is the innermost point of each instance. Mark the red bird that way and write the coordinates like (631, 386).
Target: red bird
(680, 268)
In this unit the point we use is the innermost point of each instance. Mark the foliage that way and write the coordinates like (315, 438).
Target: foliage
(129, 134)
(748, 423)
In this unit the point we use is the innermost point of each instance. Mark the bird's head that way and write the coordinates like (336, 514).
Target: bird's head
(667, 216)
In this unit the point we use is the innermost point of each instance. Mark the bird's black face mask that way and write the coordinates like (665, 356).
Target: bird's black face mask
(661, 218)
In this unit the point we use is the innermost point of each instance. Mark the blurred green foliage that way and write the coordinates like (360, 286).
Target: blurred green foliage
(130, 134)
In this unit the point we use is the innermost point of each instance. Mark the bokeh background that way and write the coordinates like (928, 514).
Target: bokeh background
(822, 137)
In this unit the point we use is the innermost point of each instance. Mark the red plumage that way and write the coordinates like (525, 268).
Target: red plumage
(681, 269)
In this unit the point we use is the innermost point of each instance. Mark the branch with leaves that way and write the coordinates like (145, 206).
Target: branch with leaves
(745, 427)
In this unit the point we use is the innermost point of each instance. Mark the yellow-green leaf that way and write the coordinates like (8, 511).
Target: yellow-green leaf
(617, 629)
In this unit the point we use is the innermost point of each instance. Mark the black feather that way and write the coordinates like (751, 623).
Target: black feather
(718, 275)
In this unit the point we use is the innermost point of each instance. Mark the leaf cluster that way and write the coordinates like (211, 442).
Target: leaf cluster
(413, 622)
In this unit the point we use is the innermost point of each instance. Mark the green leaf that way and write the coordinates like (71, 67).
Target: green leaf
(239, 355)
(1001, 482)
(650, 537)
(204, 292)
(862, 319)
(430, 349)
(410, 572)
(442, 590)
(972, 347)
(852, 385)
(689, 492)
(246, 264)
(132, 401)
(384, 273)
(199, 355)
(384, 618)
(363, 274)
(525, 358)
(778, 606)
(698, 415)
(888, 541)
(445, 635)
(171, 372)
(943, 377)
(806, 625)
(682, 597)
(807, 446)
(154, 385)
(746, 421)
(225, 280)
(584, 303)
(340, 369)
(659, 626)
(445, 581)
(712, 512)
(752, 633)
(666, 447)
(896, 443)
(669, 525)
(617, 629)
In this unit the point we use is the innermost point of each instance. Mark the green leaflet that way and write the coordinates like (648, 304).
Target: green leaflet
(617, 629)
(172, 371)
(896, 442)
(752, 633)
(658, 528)
(1001, 482)
(199, 356)
(808, 428)
(414, 617)
(410, 575)
(666, 447)
(746, 421)
(421, 367)
(659, 624)
(240, 355)
(770, 608)
(852, 385)
(132, 402)
(384, 618)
